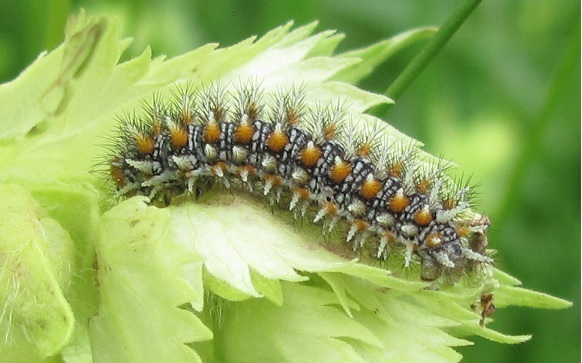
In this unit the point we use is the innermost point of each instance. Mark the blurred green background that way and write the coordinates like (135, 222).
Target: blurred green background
(502, 99)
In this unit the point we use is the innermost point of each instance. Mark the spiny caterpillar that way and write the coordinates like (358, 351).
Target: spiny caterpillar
(306, 159)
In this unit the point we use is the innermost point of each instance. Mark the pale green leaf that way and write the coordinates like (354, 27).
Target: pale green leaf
(236, 236)
(36, 257)
(141, 290)
(37, 93)
(305, 328)
(509, 295)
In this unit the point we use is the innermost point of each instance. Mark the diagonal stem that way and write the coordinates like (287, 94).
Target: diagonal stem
(445, 33)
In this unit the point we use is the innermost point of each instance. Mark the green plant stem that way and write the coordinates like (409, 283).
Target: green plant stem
(445, 33)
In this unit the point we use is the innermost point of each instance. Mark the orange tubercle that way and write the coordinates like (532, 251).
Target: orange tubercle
(370, 188)
(274, 179)
(249, 169)
(433, 240)
(212, 133)
(462, 230)
(145, 143)
(361, 225)
(423, 217)
(310, 155)
(178, 137)
(398, 203)
(330, 207)
(340, 170)
(390, 238)
(221, 165)
(244, 133)
(277, 141)
(117, 175)
(302, 192)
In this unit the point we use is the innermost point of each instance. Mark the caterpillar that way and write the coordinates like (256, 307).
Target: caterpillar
(308, 160)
